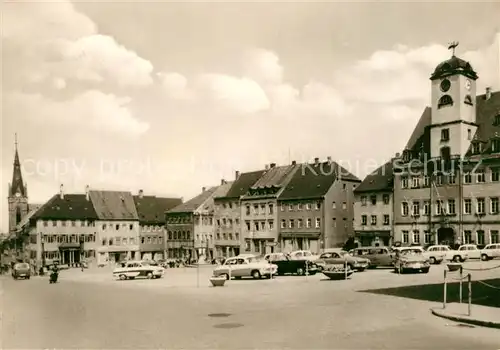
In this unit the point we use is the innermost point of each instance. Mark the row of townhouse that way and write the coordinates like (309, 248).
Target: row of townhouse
(281, 208)
(445, 186)
(98, 226)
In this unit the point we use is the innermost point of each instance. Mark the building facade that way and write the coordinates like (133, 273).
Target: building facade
(227, 215)
(152, 227)
(315, 210)
(374, 208)
(259, 207)
(446, 184)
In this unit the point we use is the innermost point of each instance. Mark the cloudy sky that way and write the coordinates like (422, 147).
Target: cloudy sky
(170, 97)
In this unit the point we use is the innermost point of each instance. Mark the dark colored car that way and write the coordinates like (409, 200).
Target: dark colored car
(21, 270)
(287, 265)
(378, 256)
(337, 256)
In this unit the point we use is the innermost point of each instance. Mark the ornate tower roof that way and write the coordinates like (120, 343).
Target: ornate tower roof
(454, 65)
(17, 185)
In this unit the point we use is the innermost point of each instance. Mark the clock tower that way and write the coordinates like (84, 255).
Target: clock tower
(18, 194)
(453, 104)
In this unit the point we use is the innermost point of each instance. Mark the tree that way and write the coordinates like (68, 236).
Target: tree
(350, 244)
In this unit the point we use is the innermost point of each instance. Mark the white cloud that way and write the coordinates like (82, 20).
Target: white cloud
(54, 39)
(237, 94)
(92, 109)
(263, 66)
(175, 85)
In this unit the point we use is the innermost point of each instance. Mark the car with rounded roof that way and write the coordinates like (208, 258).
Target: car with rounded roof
(338, 256)
(239, 267)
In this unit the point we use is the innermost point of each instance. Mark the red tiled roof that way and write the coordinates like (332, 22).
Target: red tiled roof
(114, 205)
(70, 207)
(151, 209)
(275, 176)
(241, 185)
(194, 203)
(379, 180)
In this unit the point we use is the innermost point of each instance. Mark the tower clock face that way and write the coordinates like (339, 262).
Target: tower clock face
(18, 194)
(467, 84)
(445, 85)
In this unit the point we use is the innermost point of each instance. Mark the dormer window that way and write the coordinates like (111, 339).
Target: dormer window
(445, 134)
(495, 145)
(476, 148)
(468, 100)
(444, 101)
(496, 120)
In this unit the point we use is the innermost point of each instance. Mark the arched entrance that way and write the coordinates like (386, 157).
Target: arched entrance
(445, 235)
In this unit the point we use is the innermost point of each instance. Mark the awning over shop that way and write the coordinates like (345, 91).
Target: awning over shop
(69, 245)
(310, 235)
(373, 233)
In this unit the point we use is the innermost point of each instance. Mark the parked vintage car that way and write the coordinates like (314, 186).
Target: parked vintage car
(133, 269)
(21, 270)
(411, 259)
(439, 253)
(469, 251)
(303, 255)
(239, 267)
(378, 256)
(338, 256)
(287, 265)
(490, 251)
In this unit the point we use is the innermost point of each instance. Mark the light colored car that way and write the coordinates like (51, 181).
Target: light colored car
(471, 251)
(411, 259)
(490, 251)
(21, 270)
(239, 267)
(303, 255)
(439, 253)
(133, 269)
(337, 256)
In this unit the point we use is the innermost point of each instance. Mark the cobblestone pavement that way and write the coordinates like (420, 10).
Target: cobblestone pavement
(90, 310)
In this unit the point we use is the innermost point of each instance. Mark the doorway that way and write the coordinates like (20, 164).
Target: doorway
(446, 235)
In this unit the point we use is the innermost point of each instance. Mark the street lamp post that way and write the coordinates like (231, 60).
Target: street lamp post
(42, 242)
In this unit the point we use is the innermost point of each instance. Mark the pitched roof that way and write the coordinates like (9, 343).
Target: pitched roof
(17, 184)
(314, 180)
(114, 205)
(70, 207)
(379, 180)
(194, 203)
(275, 176)
(33, 208)
(423, 122)
(151, 209)
(241, 185)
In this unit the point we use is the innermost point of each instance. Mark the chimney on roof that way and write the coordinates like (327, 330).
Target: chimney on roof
(141, 193)
(329, 159)
(294, 162)
(87, 192)
(488, 93)
(272, 165)
(266, 167)
(398, 155)
(203, 189)
(236, 175)
(316, 161)
(223, 182)
(61, 191)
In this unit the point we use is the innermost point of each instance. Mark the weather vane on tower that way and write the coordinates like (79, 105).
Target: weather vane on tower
(452, 46)
(15, 139)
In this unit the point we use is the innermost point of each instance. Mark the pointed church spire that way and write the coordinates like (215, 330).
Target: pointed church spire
(17, 185)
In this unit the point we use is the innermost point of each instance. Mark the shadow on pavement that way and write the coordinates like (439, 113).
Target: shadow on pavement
(481, 294)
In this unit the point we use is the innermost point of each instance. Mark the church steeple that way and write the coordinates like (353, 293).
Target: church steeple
(17, 187)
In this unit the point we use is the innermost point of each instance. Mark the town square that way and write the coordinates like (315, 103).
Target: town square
(231, 175)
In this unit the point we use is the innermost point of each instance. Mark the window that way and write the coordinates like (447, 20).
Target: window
(373, 199)
(309, 223)
(406, 237)
(480, 206)
(256, 225)
(385, 199)
(444, 101)
(445, 134)
(415, 181)
(248, 225)
(308, 206)
(103, 226)
(480, 237)
(452, 179)
(363, 200)
(494, 236)
(404, 182)
(117, 227)
(364, 220)
(344, 205)
(426, 181)
(256, 209)
(318, 222)
(386, 219)
(439, 207)
(416, 236)
(374, 220)
(468, 100)
(334, 205)
(318, 205)
(439, 180)
(291, 224)
(283, 223)
(467, 237)
(236, 236)
(299, 223)
(247, 212)
(427, 208)
(451, 206)
(427, 237)
(290, 207)
(169, 234)
(495, 174)
(467, 206)
(496, 121)
(494, 205)
(262, 208)
(404, 209)
(300, 206)
(469, 134)
(495, 145)
(480, 177)
(476, 148)
(467, 178)
(415, 211)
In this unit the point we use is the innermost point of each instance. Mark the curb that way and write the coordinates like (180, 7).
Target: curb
(476, 322)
